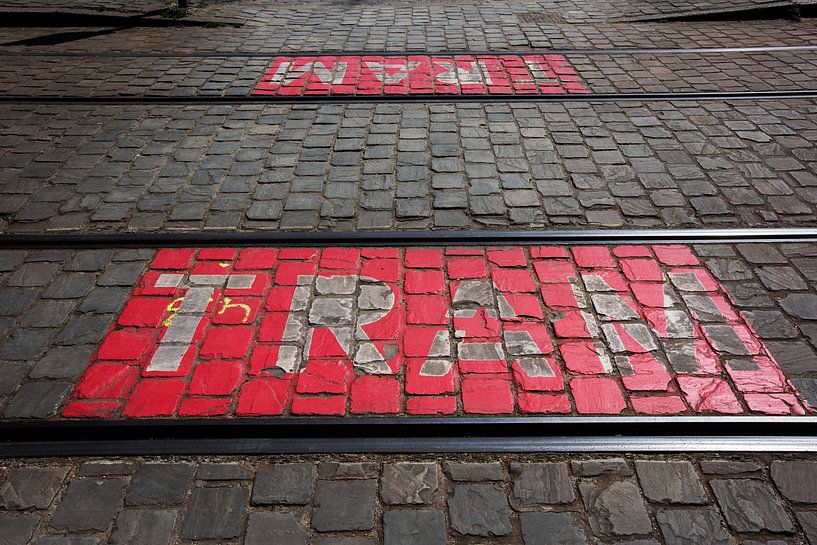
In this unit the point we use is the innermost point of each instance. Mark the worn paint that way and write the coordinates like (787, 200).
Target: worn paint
(264, 331)
(420, 75)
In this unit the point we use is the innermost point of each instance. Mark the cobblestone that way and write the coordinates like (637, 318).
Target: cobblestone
(749, 511)
(47, 354)
(477, 193)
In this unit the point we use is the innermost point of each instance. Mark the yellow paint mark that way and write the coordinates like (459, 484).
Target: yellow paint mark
(224, 264)
(173, 308)
(227, 305)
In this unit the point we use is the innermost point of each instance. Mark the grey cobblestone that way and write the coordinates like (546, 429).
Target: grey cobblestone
(685, 170)
(92, 510)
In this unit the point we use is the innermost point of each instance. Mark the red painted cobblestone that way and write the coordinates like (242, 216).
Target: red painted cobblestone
(420, 75)
(343, 331)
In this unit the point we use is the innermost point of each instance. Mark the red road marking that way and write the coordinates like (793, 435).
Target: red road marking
(346, 331)
(420, 75)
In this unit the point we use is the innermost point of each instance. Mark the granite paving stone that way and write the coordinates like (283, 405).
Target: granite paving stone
(616, 509)
(31, 487)
(344, 505)
(542, 483)
(283, 528)
(796, 480)
(283, 484)
(673, 482)
(687, 527)
(546, 528)
(89, 504)
(214, 513)
(409, 483)
(479, 510)
(148, 526)
(159, 484)
(751, 506)
(416, 527)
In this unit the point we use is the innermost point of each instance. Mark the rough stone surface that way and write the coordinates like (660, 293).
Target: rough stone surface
(344, 505)
(17, 530)
(479, 510)
(543, 483)
(32, 487)
(89, 504)
(615, 509)
(159, 484)
(751, 506)
(489, 471)
(418, 527)
(729, 467)
(673, 482)
(551, 528)
(144, 526)
(214, 513)
(278, 528)
(692, 527)
(407, 483)
(593, 468)
(282, 484)
(796, 480)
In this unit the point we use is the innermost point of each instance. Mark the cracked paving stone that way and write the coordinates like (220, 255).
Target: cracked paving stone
(670, 481)
(551, 528)
(159, 484)
(417, 527)
(145, 527)
(480, 510)
(89, 504)
(29, 487)
(796, 479)
(288, 484)
(214, 513)
(542, 483)
(17, 530)
(616, 509)
(277, 528)
(408, 483)
(751, 506)
(342, 506)
(692, 527)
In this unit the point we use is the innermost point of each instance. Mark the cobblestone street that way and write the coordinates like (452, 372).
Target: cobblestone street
(643, 500)
(437, 272)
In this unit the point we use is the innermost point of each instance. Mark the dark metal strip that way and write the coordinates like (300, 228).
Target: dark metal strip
(489, 434)
(408, 238)
(407, 99)
(271, 54)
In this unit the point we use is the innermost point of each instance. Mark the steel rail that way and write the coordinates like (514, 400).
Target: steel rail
(149, 100)
(408, 238)
(407, 435)
(445, 53)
